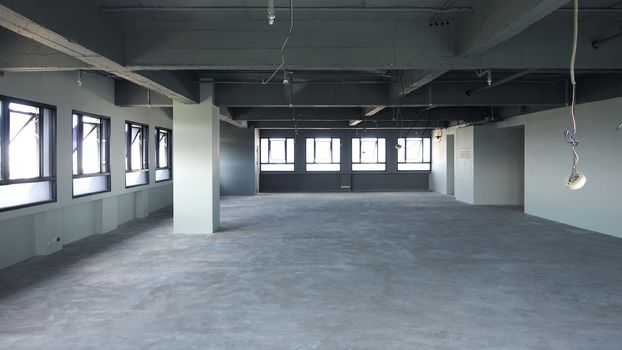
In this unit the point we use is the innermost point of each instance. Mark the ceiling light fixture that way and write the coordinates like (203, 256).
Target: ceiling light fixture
(355, 122)
(576, 180)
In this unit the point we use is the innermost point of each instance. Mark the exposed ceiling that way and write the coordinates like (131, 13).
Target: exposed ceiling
(374, 60)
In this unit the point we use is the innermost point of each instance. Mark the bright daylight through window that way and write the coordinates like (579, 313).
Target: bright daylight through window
(413, 154)
(164, 154)
(91, 154)
(27, 158)
(323, 154)
(136, 154)
(277, 154)
(369, 154)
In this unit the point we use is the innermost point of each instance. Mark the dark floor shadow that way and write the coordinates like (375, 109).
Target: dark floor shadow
(41, 268)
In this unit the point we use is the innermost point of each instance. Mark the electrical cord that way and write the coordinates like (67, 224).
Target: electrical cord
(291, 29)
(570, 136)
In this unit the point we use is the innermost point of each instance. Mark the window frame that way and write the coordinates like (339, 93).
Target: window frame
(385, 163)
(128, 152)
(332, 154)
(287, 161)
(5, 101)
(79, 139)
(405, 146)
(169, 156)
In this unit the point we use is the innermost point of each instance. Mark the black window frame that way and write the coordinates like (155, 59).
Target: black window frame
(5, 179)
(332, 155)
(128, 151)
(169, 156)
(287, 161)
(422, 154)
(105, 131)
(377, 154)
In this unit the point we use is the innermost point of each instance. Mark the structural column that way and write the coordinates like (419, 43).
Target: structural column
(196, 183)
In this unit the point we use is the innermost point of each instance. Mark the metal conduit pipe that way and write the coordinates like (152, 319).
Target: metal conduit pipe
(299, 9)
(501, 82)
(600, 42)
(323, 9)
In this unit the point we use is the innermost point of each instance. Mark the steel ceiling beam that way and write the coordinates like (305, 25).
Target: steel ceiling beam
(88, 38)
(344, 95)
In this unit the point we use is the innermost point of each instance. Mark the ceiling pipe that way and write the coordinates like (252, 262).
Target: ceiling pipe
(298, 9)
(438, 14)
(324, 9)
(501, 82)
(600, 42)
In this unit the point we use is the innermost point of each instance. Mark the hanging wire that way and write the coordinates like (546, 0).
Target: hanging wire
(291, 29)
(570, 136)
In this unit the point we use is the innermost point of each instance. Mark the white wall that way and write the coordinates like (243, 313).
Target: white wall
(438, 175)
(547, 163)
(33, 230)
(598, 206)
(464, 165)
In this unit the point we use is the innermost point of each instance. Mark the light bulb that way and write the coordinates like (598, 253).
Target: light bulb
(577, 182)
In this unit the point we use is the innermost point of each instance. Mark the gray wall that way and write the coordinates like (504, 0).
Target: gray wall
(302, 181)
(464, 165)
(547, 161)
(488, 165)
(33, 231)
(598, 206)
(499, 166)
(237, 160)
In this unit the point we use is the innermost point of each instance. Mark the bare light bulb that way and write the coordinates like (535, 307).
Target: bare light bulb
(576, 182)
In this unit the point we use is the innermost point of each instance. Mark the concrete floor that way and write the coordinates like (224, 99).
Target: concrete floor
(325, 271)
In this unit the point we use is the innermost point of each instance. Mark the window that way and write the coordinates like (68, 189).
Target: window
(164, 154)
(27, 153)
(369, 154)
(414, 154)
(277, 154)
(323, 154)
(136, 154)
(91, 154)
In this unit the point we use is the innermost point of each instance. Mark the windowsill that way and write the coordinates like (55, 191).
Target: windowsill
(25, 181)
(83, 176)
(28, 205)
(90, 194)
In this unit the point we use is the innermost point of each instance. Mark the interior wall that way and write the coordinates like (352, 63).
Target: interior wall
(43, 229)
(237, 160)
(344, 180)
(438, 175)
(464, 165)
(499, 165)
(548, 157)
(450, 169)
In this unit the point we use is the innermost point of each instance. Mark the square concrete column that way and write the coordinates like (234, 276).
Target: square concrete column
(196, 182)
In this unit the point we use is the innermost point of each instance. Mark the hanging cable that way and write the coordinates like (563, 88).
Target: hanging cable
(291, 29)
(576, 180)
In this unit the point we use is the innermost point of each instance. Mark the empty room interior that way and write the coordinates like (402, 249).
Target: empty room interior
(311, 174)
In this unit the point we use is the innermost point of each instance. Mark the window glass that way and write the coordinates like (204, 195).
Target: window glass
(90, 154)
(414, 154)
(24, 158)
(369, 154)
(27, 155)
(323, 154)
(277, 154)
(136, 153)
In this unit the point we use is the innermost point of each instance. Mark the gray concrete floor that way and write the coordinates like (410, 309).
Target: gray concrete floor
(325, 271)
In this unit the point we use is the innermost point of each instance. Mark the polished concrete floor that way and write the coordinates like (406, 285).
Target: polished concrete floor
(325, 271)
